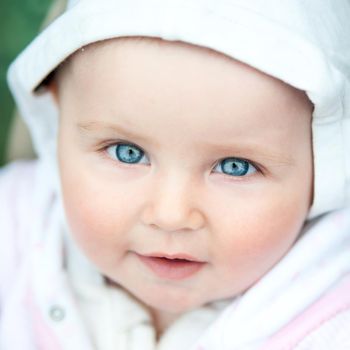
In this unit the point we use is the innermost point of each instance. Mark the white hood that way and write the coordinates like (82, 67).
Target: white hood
(304, 43)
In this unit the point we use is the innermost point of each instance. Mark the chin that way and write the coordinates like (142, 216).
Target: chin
(174, 301)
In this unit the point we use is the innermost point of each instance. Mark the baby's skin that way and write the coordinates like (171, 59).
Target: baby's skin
(186, 175)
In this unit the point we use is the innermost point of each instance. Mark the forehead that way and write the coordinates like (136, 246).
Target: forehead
(176, 80)
(147, 56)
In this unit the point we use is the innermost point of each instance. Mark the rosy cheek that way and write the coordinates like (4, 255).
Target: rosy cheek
(80, 219)
(255, 238)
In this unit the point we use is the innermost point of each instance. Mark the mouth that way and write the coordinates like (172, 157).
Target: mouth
(171, 267)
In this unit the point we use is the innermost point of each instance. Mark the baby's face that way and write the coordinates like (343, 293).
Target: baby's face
(186, 175)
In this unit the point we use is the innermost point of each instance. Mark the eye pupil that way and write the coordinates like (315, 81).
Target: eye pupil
(128, 153)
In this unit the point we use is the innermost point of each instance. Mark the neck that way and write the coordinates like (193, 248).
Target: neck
(162, 320)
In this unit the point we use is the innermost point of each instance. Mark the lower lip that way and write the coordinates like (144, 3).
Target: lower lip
(171, 269)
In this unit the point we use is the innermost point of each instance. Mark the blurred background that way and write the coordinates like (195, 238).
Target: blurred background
(20, 21)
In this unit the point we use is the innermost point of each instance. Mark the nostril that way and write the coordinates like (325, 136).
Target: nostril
(172, 216)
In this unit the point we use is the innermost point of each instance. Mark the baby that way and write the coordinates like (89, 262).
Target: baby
(183, 209)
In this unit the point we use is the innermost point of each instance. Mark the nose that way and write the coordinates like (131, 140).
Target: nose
(172, 206)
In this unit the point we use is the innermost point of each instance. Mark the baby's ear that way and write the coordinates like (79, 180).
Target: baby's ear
(53, 89)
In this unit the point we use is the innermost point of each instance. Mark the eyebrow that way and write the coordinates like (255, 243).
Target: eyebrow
(246, 151)
(97, 126)
(251, 152)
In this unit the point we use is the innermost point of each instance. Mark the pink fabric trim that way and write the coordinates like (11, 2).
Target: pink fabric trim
(44, 336)
(15, 188)
(337, 301)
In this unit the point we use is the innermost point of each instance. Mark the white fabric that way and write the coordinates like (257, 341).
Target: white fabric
(324, 339)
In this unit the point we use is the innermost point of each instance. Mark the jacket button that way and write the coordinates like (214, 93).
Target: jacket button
(57, 313)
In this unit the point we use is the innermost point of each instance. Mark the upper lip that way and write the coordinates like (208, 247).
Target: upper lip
(179, 256)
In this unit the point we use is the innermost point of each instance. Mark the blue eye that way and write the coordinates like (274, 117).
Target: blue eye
(126, 153)
(235, 167)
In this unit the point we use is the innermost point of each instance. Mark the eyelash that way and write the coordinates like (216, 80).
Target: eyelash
(220, 163)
